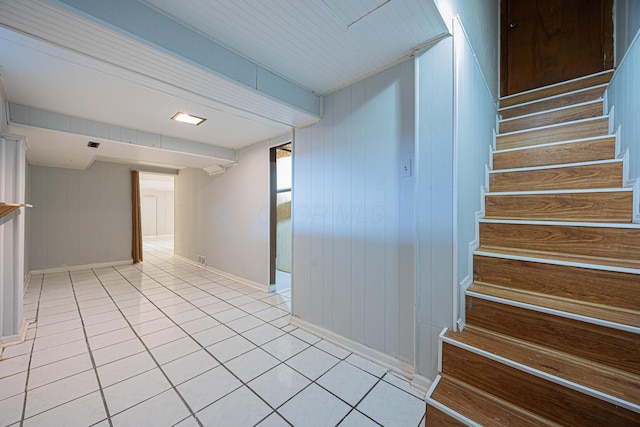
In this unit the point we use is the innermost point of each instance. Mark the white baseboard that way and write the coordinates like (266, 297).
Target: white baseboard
(80, 267)
(9, 340)
(403, 368)
(259, 286)
(421, 383)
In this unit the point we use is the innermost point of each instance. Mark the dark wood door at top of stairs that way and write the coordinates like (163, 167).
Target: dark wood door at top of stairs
(536, 34)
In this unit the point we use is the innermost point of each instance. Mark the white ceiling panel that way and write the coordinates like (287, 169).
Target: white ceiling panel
(307, 41)
(350, 12)
(56, 60)
(67, 150)
(81, 86)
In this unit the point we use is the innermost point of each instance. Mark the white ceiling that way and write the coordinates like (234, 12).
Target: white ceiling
(52, 78)
(68, 150)
(319, 44)
(310, 41)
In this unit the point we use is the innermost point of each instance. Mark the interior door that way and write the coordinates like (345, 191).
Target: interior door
(549, 41)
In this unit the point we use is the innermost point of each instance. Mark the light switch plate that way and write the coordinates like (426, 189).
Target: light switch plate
(405, 168)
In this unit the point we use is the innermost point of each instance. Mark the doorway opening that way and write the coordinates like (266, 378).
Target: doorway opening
(280, 217)
(157, 193)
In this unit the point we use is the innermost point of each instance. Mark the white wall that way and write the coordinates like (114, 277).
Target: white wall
(164, 212)
(80, 216)
(623, 93)
(627, 24)
(12, 243)
(226, 217)
(353, 243)
(456, 116)
(475, 118)
(4, 117)
(434, 201)
(481, 20)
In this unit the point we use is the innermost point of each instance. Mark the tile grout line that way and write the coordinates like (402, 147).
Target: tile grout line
(173, 387)
(170, 270)
(282, 361)
(220, 363)
(93, 362)
(26, 383)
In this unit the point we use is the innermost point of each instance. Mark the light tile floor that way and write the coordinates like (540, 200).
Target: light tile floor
(167, 343)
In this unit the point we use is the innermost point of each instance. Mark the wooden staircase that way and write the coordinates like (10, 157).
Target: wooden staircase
(552, 333)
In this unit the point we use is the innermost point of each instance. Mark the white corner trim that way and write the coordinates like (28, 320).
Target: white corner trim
(440, 340)
(403, 368)
(80, 267)
(259, 286)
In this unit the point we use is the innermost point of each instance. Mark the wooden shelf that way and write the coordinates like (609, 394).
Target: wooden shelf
(7, 208)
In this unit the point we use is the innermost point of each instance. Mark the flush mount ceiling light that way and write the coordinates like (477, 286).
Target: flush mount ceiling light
(187, 118)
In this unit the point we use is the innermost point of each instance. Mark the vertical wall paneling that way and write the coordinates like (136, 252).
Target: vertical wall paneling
(406, 211)
(12, 231)
(347, 167)
(481, 20)
(434, 200)
(226, 217)
(623, 94)
(342, 193)
(316, 218)
(358, 215)
(375, 210)
(474, 123)
(627, 24)
(301, 225)
(328, 221)
(80, 216)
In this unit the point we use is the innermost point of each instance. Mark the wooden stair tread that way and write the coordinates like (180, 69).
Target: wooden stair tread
(557, 101)
(480, 407)
(555, 133)
(608, 242)
(594, 206)
(437, 418)
(545, 118)
(556, 402)
(570, 177)
(559, 256)
(553, 313)
(581, 283)
(602, 148)
(591, 310)
(547, 91)
(613, 382)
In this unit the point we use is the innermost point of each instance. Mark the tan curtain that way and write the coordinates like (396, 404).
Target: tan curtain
(136, 223)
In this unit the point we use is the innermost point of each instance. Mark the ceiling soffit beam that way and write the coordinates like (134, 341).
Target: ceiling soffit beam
(149, 26)
(140, 40)
(30, 116)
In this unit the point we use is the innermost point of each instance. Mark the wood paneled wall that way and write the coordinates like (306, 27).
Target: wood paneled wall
(79, 216)
(353, 260)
